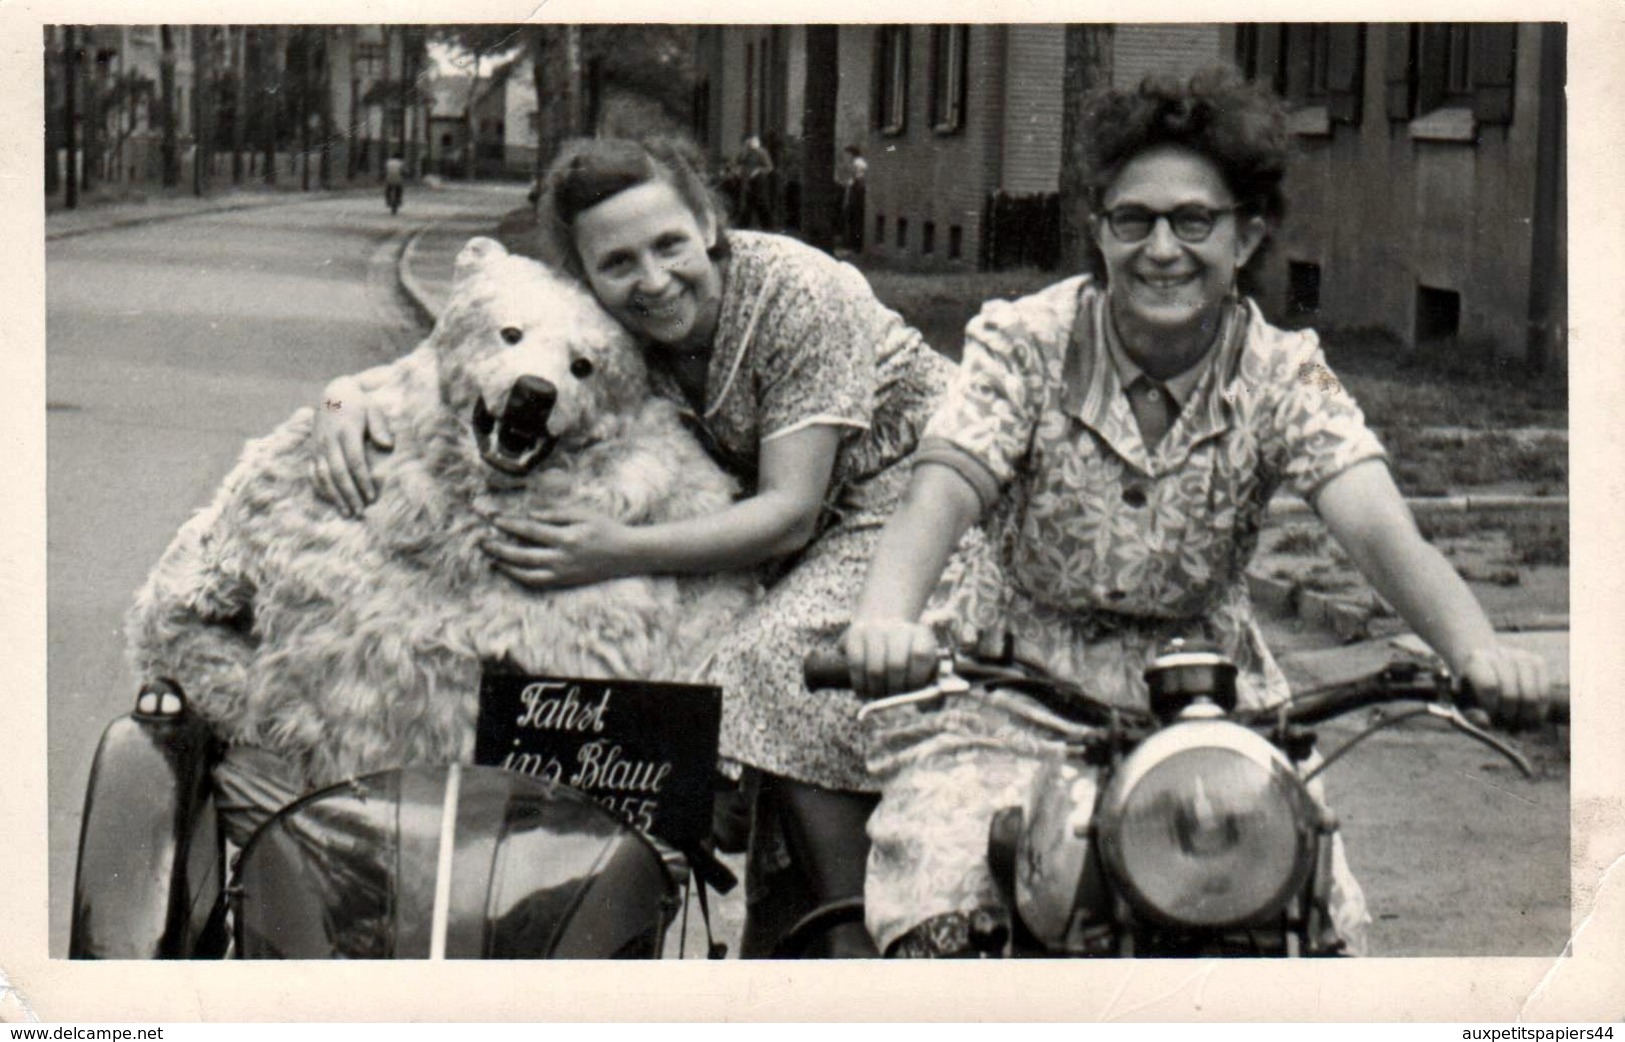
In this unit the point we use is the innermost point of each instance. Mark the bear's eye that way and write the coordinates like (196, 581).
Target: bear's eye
(512, 334)
(581, 368)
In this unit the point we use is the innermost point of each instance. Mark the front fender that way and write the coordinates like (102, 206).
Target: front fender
(150, 860)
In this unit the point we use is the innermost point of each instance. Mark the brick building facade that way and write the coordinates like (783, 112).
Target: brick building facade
(1426, 196)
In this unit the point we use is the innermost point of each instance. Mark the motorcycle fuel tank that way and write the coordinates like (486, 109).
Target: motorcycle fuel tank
(451, 862)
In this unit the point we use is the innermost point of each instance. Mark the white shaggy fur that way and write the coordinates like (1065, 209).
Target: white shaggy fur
(350, 646)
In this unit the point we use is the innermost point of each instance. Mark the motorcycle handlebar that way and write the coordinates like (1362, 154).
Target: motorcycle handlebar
(827, 668)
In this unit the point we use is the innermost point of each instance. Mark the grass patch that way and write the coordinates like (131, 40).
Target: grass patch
(1449, 384)
(940, 304)
(1539, 542)
(1299, 542)
(1428, 464)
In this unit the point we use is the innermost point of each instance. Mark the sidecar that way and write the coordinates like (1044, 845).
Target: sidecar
(420, 862)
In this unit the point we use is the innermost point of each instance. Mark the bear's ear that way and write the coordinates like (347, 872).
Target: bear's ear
(479, 252)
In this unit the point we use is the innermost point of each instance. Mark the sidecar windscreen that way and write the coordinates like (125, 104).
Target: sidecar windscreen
(465, 862)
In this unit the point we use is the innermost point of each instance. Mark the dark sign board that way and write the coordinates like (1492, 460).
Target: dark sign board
(646, 751)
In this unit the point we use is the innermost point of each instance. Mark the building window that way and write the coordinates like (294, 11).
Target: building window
(1438, 314)
(891, 63)
(880, 229)
(1445, 65)
(1302, 290)
(948, 47)
(1311, 64)
(764, 87)
(902, 233)
(928, 238)
(750, 88)
(1261, 54)
(956, 242)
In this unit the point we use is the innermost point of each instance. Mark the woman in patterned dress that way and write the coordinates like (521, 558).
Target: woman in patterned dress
(800, 382)
(1122, 436)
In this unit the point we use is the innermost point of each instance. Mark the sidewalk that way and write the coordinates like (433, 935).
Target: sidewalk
(101, 216)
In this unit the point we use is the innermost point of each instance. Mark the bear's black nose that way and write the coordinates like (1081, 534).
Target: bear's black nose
(524, 418)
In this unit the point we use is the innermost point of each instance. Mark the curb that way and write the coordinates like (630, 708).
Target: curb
(411, 289)
(1291, 507)
(1349, 618)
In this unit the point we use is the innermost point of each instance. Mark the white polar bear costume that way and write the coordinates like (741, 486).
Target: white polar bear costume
(345, 646)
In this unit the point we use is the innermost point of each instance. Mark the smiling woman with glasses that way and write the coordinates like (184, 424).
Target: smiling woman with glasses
(1121, 434)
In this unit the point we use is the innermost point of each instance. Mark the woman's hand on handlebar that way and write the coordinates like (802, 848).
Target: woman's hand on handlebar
(1511, 684)
(346, 421)
(890, 656)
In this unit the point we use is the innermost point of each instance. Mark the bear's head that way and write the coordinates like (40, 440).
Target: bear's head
(529, 361)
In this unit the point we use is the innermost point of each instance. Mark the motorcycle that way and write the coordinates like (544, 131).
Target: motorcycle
(1199, 837)
(506, 858)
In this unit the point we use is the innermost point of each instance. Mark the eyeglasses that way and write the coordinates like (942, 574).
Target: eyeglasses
(1189, 223)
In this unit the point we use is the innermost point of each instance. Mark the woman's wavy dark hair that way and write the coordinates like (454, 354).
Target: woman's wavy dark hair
(591, 170)
(1240, 127)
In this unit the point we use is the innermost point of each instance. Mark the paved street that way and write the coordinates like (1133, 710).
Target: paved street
(169, 344)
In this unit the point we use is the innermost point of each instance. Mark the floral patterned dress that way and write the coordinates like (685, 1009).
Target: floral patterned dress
(802, 341)
(1104, 551)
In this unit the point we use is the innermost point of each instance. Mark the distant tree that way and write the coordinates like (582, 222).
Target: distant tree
(652, 61)
(1088, 67)
(203, 40)
(55, 75)
(820, 196)
(95, 88)
(555, 57)
(70, 115)
(473, 45)
(413, 95)
(237, 47)
(324, 103)
(268, 87)
(169, 151)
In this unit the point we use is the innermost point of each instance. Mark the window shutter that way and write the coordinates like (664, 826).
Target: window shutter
(1433, 62)
(904, 74)
(962, 73)
(1300, 53)
(1399, 72)
(1345, 75)
(938, 74)
(1269, 69)
(1494, 48)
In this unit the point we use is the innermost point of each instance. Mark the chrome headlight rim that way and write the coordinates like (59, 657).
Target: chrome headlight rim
(1165, 746)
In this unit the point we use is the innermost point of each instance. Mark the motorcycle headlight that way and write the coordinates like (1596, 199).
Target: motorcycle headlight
(1207, 825)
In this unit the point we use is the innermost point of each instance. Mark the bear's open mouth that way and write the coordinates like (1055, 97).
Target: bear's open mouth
(518, 441)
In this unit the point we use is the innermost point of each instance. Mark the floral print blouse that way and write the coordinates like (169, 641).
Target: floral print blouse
(802, 341)
(1106, 549)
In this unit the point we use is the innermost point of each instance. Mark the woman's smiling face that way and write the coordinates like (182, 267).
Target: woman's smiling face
(1162, 284)
(644, 253)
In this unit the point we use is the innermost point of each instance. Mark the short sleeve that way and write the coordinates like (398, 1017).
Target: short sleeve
(992, 404)
(1320, 429)
(817, 358)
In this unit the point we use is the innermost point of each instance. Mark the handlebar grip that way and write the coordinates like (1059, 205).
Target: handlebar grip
(826, 668)
(1551, 712)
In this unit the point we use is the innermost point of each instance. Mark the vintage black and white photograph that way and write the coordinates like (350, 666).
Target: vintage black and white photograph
(808, 491)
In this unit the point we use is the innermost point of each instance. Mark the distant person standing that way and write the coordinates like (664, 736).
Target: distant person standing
(853, 170)
(394, 182)
(755, 170)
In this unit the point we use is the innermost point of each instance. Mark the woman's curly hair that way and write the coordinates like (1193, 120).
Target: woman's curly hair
(1238, 126)
(588, 171)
